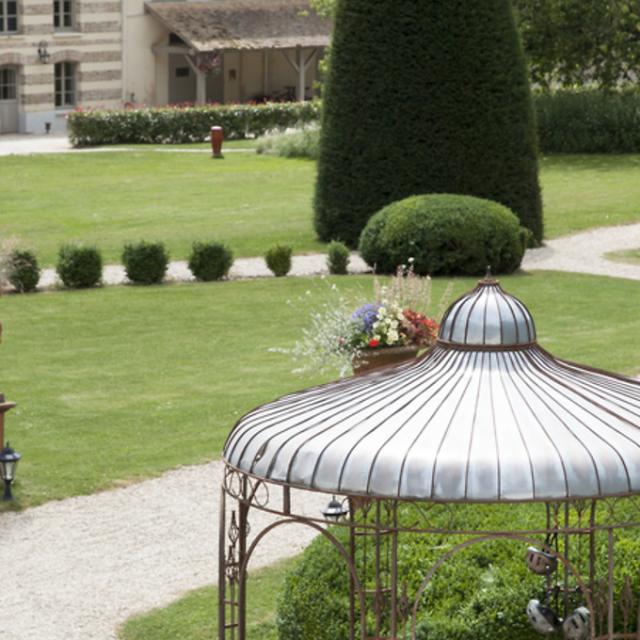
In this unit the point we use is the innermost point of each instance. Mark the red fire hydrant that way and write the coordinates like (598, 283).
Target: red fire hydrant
(217, 138)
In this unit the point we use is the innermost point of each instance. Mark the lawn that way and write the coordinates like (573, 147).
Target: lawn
(122, 383)
(585, 191)
(194, 617)
(631, 256)
(249, 201)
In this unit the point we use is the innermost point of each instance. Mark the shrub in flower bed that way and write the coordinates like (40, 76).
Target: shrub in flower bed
(145, 262)
(79, 267)
(278, 260)
(210, 261)
(174, 125)
(445, 235)
(337, 258)
(22, 270)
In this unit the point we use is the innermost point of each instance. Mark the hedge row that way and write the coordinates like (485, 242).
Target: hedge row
(589, 121)
(569, 121)
(179, 125)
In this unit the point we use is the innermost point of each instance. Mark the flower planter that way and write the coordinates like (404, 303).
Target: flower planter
(370, 359)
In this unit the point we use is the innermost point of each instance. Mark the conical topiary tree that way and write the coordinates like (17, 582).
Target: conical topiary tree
(425, 96)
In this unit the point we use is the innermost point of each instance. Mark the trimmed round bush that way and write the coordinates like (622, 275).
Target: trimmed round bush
(79, 267)
(278, 260)
(446, 108)
(338, 258)
(210, 261)
(23, 271)
(445, 235)
(145, 262)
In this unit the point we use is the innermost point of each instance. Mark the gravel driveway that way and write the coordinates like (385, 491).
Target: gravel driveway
(78, 568)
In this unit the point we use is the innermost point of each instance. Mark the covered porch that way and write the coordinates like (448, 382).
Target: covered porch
(241, 51)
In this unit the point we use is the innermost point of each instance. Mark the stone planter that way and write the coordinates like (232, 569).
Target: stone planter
(371, 359)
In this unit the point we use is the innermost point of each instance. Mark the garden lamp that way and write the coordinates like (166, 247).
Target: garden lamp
(8, 463)
(335, 510)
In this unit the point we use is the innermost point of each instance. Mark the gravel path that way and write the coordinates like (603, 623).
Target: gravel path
(580, 253)
(78, 568)
(584, 252)
(306, 265)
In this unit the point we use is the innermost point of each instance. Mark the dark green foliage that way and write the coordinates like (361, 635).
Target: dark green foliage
(581, 42)
(173, 125)
(79, 267)
(589, 121)
(479, 594)
(145, 262)
(424, 97)
(210, 261)
(278, 260)
(445, 235)
(338, 258)
(23, 271)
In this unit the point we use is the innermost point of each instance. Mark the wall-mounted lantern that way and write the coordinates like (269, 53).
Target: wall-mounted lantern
(43, 54)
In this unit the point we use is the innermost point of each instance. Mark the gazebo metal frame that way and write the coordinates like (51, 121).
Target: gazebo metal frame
(573, 529)
(384, 596)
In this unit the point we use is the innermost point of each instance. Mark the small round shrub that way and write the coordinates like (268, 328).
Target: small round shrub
(210, 261)
(23, 271)
(445, 235)
(145, 262)
(338, 258)
(278, 260)
(79, 267)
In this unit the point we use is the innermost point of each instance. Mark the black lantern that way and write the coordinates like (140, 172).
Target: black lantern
(8, 463)
(335, 510)
(43, 54)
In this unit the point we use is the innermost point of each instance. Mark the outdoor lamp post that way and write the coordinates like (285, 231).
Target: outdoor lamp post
(8, 463)
(8, 457)
(335, 510)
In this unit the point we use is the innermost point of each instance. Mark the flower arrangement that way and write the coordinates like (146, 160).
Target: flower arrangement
(399, 317)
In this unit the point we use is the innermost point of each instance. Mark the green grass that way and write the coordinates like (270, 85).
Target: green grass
(585, 191)
(124, 383)
(249, 201)
(194, 617)
(108, 199)
(631, 256)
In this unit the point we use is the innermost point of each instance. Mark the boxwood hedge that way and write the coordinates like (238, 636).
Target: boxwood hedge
(177, 125)
(445, 235)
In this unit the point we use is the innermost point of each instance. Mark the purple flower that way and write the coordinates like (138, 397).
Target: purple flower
(366, 316)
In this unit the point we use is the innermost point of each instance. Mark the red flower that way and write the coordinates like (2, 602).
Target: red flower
(374, 343)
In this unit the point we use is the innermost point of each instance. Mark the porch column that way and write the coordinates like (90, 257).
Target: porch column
(201, 81)
(302, 72)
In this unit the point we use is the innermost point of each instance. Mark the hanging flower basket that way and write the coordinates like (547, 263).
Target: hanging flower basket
(367, 360)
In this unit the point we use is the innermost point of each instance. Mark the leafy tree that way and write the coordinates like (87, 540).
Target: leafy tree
(581, 41)
(424, 97)
(574, 41)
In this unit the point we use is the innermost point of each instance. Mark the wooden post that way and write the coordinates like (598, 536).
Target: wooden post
(302, 72)
(4, 407)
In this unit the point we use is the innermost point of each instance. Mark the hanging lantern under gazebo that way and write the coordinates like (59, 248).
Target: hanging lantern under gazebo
(485, 417)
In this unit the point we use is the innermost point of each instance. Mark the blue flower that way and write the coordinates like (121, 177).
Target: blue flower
(366, 316)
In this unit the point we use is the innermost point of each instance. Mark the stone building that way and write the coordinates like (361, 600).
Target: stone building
(58, 55)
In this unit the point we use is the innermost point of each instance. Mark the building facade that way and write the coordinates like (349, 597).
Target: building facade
(59, 55)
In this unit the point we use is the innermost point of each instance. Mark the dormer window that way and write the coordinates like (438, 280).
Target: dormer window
(63, 14)
(8, 16)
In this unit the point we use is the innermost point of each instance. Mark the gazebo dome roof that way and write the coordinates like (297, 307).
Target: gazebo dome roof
(485, 416)
(488, 316)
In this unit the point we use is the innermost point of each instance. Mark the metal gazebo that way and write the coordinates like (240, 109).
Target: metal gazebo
(485, 417)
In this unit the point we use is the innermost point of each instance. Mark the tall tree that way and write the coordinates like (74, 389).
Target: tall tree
(424, 96)
(573, 42)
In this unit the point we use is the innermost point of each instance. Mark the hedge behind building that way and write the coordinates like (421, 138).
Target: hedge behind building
(181, 125)
(425, 97)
